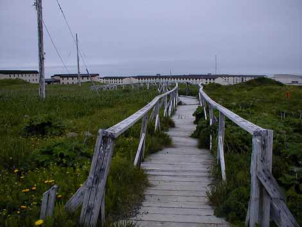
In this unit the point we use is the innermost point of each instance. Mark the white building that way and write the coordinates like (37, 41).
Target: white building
(73, 78)
(31, 76)
(223, 79)
(288, 79)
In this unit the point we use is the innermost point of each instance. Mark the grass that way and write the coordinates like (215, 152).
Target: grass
(260, 101)
(51, 141)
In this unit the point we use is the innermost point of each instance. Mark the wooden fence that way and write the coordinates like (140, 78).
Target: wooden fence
(91, 195)
(267, 200)
(161, 86)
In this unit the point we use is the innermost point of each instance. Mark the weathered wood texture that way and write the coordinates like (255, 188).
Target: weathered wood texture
(179, 178)
(92, 193)
(48, 202)
(121, 127)
(76, 200)
(96, 181)
(266, 198)
(220, 152)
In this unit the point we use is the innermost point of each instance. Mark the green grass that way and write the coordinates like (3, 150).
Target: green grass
(260, 101)
(51, 141)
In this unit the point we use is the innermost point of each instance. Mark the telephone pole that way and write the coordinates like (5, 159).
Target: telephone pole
(41, 49)
(78, 61)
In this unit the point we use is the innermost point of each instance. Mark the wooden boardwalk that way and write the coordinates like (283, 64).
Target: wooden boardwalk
(179, 177)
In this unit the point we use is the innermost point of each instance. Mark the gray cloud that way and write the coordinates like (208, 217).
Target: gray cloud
(129, 37)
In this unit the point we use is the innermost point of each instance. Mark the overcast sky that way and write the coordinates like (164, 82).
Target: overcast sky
(131, 37)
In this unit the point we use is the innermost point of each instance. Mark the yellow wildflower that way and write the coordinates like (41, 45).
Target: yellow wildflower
(16, 171)
(33, 188)
(25, 190)
(46, 181)
(22, 177)
(39, 222)
(23, 207)
(59, 196)
(18, 212)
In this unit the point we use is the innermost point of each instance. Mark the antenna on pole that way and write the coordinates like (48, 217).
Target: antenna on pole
(78, 61)
(215, 64)
(41, 49)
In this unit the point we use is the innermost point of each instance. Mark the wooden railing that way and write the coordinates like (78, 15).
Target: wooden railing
(92, 193)
(267, 200)
(161, 86)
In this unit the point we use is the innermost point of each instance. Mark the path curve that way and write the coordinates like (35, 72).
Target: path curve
(179, 177)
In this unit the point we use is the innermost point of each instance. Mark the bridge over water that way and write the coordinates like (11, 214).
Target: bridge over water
(179, 175)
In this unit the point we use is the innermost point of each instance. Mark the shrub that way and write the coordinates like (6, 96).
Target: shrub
(63, 153)
(42, 125)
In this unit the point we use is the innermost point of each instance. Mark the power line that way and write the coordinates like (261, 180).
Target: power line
(71, 33)
(54, 45)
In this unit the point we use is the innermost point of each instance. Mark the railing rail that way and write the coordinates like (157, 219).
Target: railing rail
(266, 200)
(92, 193)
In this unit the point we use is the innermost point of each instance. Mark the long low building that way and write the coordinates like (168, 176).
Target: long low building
(288, 79)
(223, 79)
(72, 78)
(31, 76)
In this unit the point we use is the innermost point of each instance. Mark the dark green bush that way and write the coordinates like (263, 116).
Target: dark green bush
(42, 125)
(63, 153)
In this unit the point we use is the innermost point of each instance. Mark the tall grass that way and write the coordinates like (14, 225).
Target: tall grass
(260, 101)
(51, 141)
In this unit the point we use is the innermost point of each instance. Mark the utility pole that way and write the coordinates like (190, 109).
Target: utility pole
(41, 49)
(215, 64)
(78, 61)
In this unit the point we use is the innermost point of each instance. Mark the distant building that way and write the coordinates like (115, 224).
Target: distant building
(288, 79)
(223, 79)
(31, 76)
(73, 78)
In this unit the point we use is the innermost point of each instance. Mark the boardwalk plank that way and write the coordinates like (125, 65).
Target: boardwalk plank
(179, 179)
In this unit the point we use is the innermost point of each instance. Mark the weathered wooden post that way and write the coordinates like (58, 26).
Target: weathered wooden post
(254, 206)
(48, 202)
(174, 99)
(165, 106)
(144, 131)
(266, 156)
(205, 108)
(94, 198)
(211, 114)
(157, 120)
(220, 152)
(170, 110)
(200, 99)
(76, 200)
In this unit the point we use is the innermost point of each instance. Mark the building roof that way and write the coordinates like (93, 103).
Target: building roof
(19, 72)
(178, 76)
(76, 75)
(115, 77)
(190, 76)
(287, 76)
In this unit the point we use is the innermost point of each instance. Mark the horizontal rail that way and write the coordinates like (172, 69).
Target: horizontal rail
(92, 193)
(116, 130)
(241, 122)
(266, 198)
